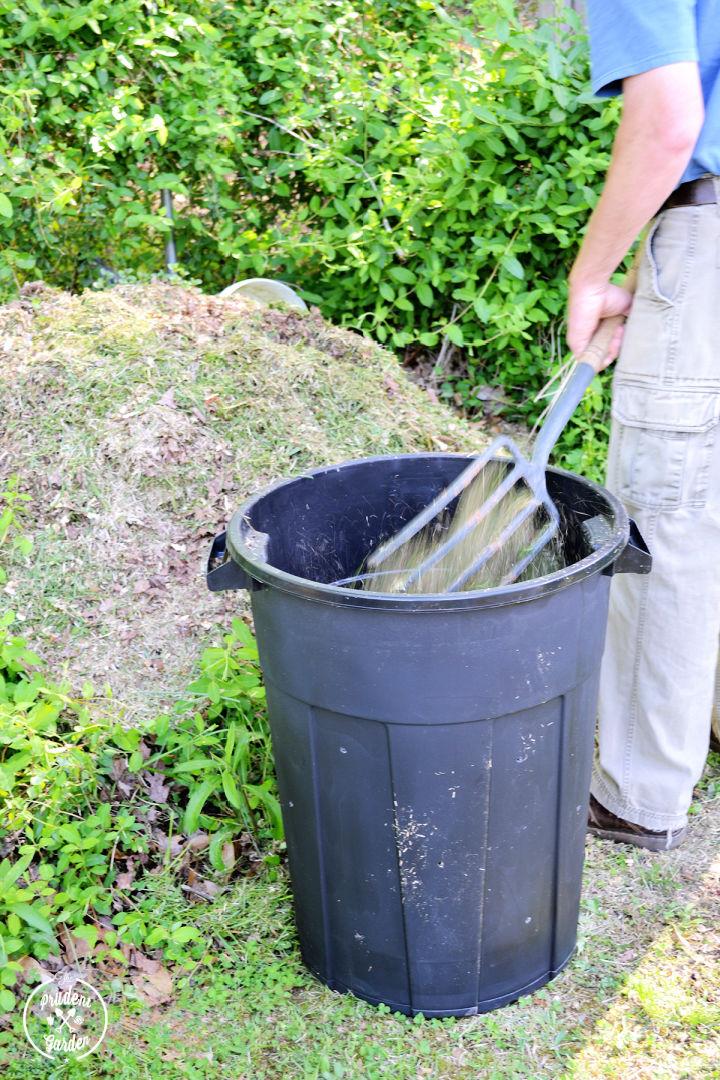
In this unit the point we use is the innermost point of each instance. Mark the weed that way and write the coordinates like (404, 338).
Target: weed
(95, 815)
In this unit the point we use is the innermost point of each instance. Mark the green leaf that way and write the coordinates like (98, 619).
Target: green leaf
(127, 740)
(270, 805)
(232, 792)
(196, 802)
(455, 334)
(157, 124)
(241, 754)
(195, 765)
(241, 631)
(7, 1000)
(183, 934)
(494, 144)
(10, 872)
(428, 340)
(155, 937)
(32, 917)
(6, 207)
(425, 294)
(403, 274)
(215, 851)
(482, 308)
(26, 692)
(88, 932)
(513, 266)
(229, 743)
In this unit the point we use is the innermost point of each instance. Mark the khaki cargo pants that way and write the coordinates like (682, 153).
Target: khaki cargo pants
(658, 682)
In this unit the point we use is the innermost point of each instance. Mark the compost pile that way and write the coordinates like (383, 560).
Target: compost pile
(155, 411)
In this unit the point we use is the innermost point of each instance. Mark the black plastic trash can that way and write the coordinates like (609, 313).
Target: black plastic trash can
(433, 752)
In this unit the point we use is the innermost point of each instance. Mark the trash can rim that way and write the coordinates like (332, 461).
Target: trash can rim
(265, 574)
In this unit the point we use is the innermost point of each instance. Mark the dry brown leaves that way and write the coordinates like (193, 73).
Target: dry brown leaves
(153, 982)
(311, 330)
(77, 959)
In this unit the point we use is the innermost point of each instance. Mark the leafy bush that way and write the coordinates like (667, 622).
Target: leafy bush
(85, 800)
(418, 174)
(233, 738)
(444, 191)
(93, 813)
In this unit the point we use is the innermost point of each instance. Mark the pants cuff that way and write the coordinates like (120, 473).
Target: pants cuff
(647, 819)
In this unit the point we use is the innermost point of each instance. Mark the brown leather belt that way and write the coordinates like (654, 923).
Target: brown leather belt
(692, 193)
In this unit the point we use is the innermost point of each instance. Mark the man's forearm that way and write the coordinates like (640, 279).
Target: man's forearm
(662, 117)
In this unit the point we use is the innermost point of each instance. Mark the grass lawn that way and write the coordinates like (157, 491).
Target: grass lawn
(137, 419)
(641, 999)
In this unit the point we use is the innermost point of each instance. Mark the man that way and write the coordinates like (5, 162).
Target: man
(658, 674)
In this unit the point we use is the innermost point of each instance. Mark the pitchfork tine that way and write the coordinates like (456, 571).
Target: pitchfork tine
(472, 523)
(491, 549)
(440, 502)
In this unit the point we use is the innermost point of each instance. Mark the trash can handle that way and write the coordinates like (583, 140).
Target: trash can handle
(635, 557)
(223, 573)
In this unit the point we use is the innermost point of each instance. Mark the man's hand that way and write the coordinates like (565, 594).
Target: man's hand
(587, 305)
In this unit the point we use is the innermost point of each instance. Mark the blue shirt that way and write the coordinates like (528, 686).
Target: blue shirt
(628, 37)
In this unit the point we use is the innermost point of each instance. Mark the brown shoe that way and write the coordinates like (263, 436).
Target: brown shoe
(715, 732)
(608, 826)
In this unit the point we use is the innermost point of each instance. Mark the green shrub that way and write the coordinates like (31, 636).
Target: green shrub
(421, 175)
(80, 800)
(221, 756)
(444, 192)
(103, 106)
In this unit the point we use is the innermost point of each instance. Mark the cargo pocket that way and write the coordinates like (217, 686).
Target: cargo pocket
(664, 440)
(670, 247)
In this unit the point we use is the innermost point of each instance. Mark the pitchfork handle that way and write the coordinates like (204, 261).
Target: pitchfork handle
(563, 408)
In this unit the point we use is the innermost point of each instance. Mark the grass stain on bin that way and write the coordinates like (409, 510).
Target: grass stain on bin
(412, 855)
